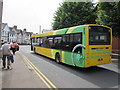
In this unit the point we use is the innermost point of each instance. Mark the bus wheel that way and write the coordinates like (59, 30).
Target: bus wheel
(57, 58)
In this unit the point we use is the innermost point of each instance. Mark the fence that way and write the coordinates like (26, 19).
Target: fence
(116, 44)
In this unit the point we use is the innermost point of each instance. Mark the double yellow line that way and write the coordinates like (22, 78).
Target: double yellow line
(46, 81)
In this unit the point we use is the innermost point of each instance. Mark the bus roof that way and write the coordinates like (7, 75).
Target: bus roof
(74, 29)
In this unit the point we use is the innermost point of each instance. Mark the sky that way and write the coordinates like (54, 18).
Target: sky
(30, 14)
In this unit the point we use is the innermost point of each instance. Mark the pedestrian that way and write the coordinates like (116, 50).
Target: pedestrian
(12, 47)
(6, 53)
(16, 46)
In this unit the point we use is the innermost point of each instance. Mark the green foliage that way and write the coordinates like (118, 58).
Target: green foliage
(79, 13)
(108, 13)
(74, 13)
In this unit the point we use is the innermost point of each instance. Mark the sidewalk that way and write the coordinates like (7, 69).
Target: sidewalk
(115, 58)
(21, 76)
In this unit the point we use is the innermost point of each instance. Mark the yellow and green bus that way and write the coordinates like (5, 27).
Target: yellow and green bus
(81, 46)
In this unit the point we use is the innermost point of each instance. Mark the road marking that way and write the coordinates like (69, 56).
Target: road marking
(47, 82)
(37, 73)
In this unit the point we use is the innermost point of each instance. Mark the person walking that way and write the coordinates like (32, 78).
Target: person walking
(16, 46)
(6, 53)
(12, 47)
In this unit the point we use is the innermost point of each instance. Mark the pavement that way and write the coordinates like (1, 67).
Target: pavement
(20, 76)
(23, 76)
(116, 58)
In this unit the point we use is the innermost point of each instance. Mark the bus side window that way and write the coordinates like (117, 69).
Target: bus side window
(35, 42)
(50, 42)
(45, 42)
(77, 39)
(65, 42)
(71, 41)
(40, 41)
(57, 42)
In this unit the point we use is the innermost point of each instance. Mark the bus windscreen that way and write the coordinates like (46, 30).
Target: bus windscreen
(99, 35)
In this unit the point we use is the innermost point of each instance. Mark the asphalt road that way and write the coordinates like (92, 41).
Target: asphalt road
(65, 76)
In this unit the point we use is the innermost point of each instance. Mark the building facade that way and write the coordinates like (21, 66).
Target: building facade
(12, 34)
(4, 32)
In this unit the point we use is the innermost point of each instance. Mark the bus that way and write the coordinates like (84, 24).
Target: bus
(82, 46)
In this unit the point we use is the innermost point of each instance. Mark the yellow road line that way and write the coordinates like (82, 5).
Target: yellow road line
(40, 74)
(37, 73)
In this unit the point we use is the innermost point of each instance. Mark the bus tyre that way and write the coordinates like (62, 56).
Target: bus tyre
(57, 58)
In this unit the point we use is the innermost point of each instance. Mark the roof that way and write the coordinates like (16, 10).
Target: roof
(3, 25)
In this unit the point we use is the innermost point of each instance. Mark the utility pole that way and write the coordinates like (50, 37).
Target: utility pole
(1, 8)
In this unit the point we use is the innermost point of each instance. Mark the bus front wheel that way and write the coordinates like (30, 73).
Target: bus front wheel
(57, 58)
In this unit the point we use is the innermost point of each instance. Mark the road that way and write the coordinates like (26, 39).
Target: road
(65, 76)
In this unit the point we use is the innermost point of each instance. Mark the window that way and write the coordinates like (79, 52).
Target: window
(66, 38)
(40, 41)
(57, 42)
(69, 41)
(61, 42)
(71, 38)
(50, 42)
(77, 38)
(44, 41)
(35, 41)
(65, 42)
(99, 35)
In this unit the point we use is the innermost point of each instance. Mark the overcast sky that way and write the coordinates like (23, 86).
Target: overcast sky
(30, 14)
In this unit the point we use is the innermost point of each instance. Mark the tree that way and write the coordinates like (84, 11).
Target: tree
(74, 13)
(108, 13)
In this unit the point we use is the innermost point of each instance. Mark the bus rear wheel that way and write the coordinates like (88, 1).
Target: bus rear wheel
(57, 58)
